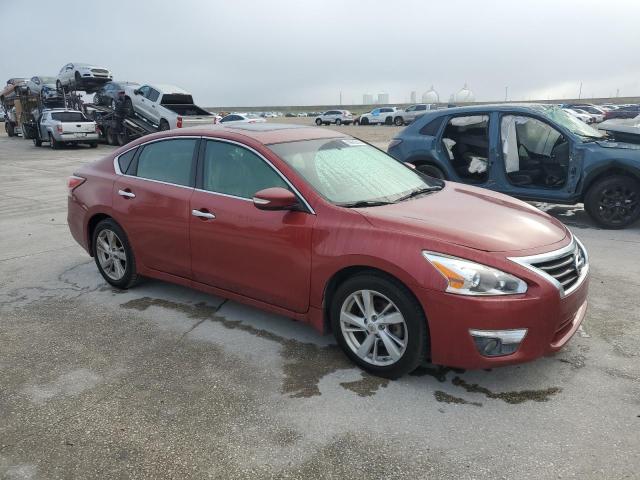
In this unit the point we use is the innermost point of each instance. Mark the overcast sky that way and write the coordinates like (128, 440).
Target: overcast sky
(304, 52)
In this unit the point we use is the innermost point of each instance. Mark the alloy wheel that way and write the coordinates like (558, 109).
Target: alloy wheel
(373, 327)
(111, 254)
(618, 204)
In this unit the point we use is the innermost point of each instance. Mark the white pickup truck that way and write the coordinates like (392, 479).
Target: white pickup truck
(61, 126)
(166, 107)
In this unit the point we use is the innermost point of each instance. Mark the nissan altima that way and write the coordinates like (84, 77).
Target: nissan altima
(324, 228)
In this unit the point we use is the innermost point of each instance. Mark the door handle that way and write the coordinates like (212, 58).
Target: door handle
(203, 214)
(126, 193)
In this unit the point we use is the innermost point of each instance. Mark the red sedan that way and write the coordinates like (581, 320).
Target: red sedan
(319, 226)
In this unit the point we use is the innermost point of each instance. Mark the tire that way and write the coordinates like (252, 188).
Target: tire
(36, 141)
(413, 329)
(613, 202)
(338, 121)
(9, 128)
(398, 121)
(128, 105)
(53, 143)
(318, 122)
(431, 170)
(388, 121)
(364, 121)
(124, 276)
(164, 125)
(97, 99)
(109, 136)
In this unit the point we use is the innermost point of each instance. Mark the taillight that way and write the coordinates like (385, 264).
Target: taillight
(179, 122)
(74, 182)
(59, 128)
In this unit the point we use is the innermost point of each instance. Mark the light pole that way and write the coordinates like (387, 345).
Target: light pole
(580, 92)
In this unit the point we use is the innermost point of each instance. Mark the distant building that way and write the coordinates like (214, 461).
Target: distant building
(414, 97)
(383, 98)
(367, 99)
(430, 96)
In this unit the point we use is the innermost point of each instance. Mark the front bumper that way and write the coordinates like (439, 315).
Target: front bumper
(550, 322)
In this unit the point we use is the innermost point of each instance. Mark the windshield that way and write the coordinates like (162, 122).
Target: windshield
(348, 171)
(570, 122)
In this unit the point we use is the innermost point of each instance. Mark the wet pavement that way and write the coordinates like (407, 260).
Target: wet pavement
(164, 382)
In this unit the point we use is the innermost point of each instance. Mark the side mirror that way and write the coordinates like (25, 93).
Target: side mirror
(276, 198)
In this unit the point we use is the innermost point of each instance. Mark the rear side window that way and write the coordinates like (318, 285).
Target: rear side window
(421, 107)
(234, 170)
(432, 127)
(153, 95)
(124, 160)
(168, 161)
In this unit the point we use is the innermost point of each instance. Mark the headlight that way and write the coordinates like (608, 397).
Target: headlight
(469, 278)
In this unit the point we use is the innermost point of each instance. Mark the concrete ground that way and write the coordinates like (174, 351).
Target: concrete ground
(164, 382)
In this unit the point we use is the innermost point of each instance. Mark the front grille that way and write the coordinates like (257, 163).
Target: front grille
(565, 268)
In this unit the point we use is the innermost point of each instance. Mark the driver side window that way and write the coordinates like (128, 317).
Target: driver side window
(535, 154)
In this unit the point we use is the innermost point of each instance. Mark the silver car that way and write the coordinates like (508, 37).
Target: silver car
(338, 117)
(43, 86)
(409, 114)
(82, 76)
(61, 126)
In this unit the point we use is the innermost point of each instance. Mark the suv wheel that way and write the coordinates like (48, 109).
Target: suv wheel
(338, 121)
(318, 122)
(379, 325)
(364, 121)
(398, 121)
(388, 121)
(613, 202)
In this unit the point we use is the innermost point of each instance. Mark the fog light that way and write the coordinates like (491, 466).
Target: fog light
(496, 343)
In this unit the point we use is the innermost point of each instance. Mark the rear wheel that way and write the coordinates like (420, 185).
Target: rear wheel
(388, 121)
(431, 170)
(398, 121)
(113, 255)
(613, 202)
(164, 125)
(338, 121)
(379, 325)
(318, 122)
(364, 121)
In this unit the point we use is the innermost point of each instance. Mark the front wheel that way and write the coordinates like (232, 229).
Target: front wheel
(364, 121)
(113, 255)
(379, 325)
(613, 202)
(318, 122)
(338, 121)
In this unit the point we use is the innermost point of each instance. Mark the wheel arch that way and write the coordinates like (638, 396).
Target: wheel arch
(615, 168)
(418, 160)
(344, 274)
(91, 227)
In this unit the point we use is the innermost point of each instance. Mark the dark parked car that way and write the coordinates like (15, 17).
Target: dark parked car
(626, 111)
(323, 228)
(111, 92)
(532, 152)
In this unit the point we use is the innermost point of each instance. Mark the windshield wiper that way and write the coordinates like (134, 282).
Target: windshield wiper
(419, 191)
(365, 203)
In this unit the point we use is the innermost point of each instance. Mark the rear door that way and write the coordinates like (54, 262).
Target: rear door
(264, 255)
(151, 202)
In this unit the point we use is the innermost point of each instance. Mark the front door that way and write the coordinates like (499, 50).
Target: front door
(264, 255)
(535, 159)
(151, 202)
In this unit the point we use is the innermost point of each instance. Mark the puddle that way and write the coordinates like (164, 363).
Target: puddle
(514, 397)
(444, 397)
(305, 364)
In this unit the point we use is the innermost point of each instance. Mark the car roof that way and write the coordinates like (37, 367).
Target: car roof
(492, 107)
(265, 132)
(166, 88)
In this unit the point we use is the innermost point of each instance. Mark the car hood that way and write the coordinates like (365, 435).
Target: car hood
(471, 217)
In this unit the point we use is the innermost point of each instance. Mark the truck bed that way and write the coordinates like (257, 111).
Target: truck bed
(187, 110)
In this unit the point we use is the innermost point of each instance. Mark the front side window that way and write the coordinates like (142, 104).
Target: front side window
(168, 161)
(421, 107)
(347, 171)
(234, 170)
(144, 91)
